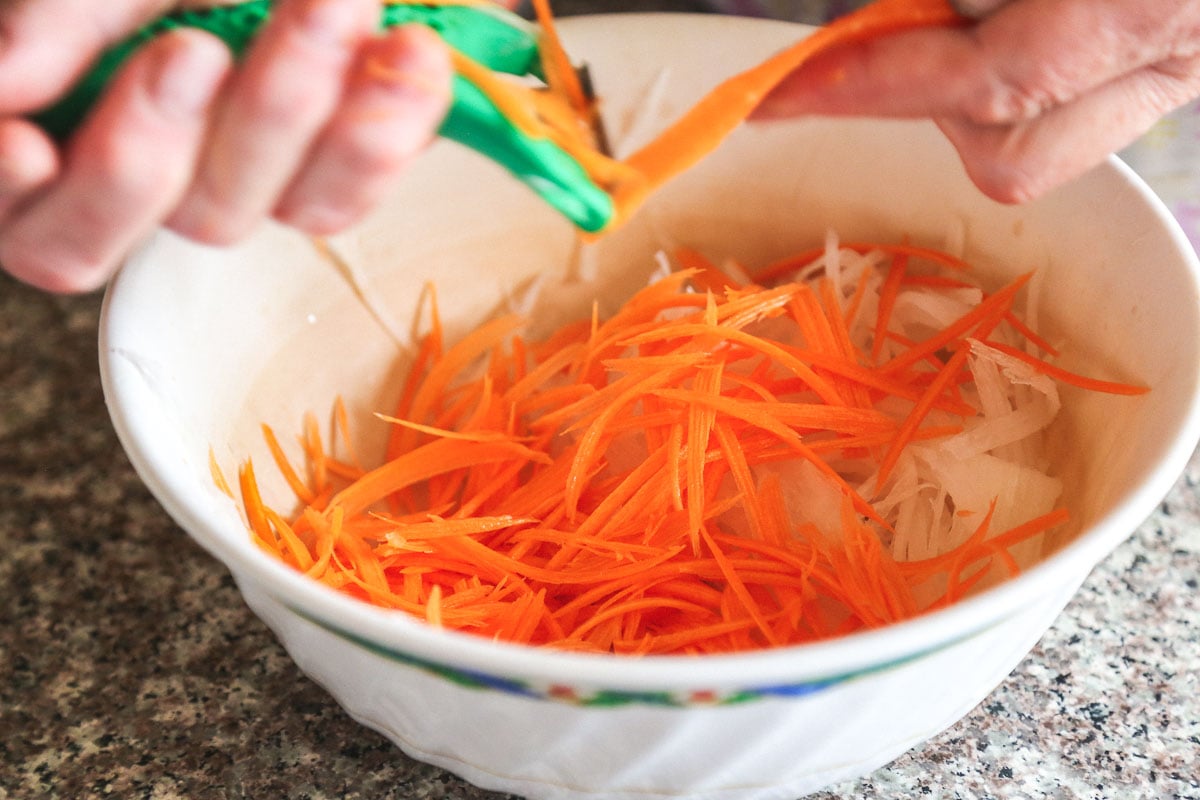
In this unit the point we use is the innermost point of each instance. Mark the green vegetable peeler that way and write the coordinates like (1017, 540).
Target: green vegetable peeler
(498, 39)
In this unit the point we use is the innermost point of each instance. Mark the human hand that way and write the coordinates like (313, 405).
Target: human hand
(311, 129)
(1031, 95)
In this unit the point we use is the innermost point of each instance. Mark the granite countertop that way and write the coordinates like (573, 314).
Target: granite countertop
(130, 667)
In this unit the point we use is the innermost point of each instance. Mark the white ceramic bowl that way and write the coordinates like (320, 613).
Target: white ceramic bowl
(199, 346)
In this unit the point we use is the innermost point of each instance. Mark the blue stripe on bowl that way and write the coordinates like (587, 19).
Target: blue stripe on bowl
(600, 698)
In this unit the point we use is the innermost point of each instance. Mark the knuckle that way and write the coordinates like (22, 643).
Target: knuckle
(124, 164)
(1004, 102)
(280, 104)
(1174, 82)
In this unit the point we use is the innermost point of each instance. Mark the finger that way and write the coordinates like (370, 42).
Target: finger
(396, 96)
(284, 93)
(1017, 163)
(45, 45)
(1029, 56)
(28, 161)
(914, 74)
(123, 171)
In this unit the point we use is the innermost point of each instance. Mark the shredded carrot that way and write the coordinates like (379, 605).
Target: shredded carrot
(558, 67)
(707, 275)
(628, 485)
(218, 477)
(1066, 376)
(887, 301)
(302, 492)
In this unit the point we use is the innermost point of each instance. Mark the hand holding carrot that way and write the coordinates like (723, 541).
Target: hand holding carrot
(310, 129)
(1032, 94)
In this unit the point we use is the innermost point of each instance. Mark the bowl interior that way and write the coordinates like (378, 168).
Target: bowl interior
(201, 346)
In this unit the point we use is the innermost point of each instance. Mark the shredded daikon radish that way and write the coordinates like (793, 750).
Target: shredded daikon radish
(939, 490)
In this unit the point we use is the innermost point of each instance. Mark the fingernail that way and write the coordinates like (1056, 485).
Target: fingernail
(190, 71)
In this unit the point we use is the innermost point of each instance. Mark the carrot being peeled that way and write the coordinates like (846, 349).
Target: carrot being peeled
(710, 121)
(562, 111)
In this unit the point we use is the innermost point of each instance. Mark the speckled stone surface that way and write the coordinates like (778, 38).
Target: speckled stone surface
(130, 668)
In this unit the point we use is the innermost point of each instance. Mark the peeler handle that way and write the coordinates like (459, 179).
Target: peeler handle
(497, 39)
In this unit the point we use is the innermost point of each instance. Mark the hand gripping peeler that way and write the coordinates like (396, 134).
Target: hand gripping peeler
(486, 34)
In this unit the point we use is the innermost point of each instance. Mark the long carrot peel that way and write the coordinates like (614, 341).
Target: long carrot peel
(722, 465)
(568, 118)
(721, 111)
(560, 114)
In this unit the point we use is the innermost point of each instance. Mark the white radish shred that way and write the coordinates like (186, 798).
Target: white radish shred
(941, 489)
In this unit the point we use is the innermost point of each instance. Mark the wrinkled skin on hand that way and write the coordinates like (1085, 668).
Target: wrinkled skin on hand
(1031, 94)
(311, 128)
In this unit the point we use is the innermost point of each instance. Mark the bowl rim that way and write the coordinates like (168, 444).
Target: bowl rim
(130, 406)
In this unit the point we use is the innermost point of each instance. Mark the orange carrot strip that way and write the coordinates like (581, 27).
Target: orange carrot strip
(706, 275)
(342, 424)
(435, 458)
(959, 327)
(836, 322)
(454, 361)
(1031, 528)
(738, 587)
(700, 421)
(887, 302)
(787, 436)
(255, 510)
(314, 451)
(739, 468)
(638, 604)
(1066, 376)
(1030, 334)
(909, 427)
(860, 291)
(301, 559)
(993, 310)
(679, 641)
(285, 468)
(774, 351)
(477, 435)
(437, 528)
(874, 379)
(596, 432)
(559, 70)
(793, 263)
(218, 477)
